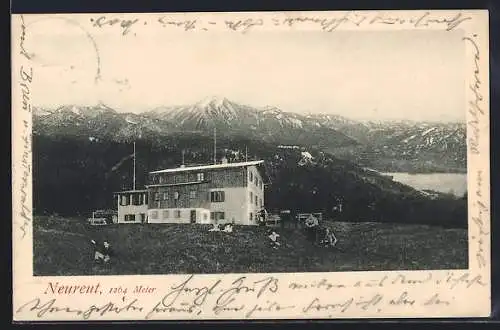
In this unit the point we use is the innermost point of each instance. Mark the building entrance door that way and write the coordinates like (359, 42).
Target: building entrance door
(193, 216)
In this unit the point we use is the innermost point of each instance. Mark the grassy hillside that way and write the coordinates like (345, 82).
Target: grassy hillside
(62, 247)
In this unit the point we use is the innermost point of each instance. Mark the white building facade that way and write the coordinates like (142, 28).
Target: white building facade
(220, 193)
(132, 206)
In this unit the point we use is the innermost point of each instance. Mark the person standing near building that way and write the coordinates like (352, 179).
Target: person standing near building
(311, 223)
(262, 217)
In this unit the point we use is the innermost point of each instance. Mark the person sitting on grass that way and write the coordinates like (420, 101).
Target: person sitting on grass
(215, 227)
(108, 251)
(99, 255)
(102, 253)
(329, 240)
(274, 239)
(228, 228)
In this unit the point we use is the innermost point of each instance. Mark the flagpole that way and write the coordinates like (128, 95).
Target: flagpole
(135, 137)
(134, 167)
(215, 146)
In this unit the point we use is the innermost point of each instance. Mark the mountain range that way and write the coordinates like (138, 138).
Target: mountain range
(385, 146)
(82, 154)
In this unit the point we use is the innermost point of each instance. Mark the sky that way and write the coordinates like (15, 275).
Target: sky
(374, 75)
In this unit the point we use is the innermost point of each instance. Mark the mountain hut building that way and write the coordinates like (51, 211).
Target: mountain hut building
(205, 194)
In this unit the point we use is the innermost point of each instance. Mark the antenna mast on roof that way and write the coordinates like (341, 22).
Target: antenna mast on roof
(215, 146)
(182, 156)
(246, 154)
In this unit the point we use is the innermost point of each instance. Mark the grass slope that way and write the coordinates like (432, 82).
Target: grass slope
(62, 247)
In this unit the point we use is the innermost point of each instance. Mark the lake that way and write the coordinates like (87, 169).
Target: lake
(455, 183)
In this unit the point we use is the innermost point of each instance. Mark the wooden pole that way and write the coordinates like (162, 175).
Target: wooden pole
(134, 168)
(215, 146)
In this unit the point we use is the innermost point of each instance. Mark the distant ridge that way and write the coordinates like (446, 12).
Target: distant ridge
(384, 145)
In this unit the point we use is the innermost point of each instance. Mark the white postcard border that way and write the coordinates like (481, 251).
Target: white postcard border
(401, 294)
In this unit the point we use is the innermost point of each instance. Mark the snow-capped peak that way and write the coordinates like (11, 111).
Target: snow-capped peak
(269, 109)
(214, 100)
(75, 110)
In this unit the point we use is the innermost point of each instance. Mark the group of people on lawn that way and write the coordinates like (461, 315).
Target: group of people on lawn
(320, 235)
(228, 227)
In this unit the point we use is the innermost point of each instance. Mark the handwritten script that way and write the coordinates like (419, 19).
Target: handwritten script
(26, 75)
(247, 297)
(476, 111)
(348, 19)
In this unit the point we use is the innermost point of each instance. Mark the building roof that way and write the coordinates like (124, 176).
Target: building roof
(175, 184)
(130, 191)
(209, 167)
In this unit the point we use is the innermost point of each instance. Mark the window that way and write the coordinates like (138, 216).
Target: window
(256, 217)
(251, 197)
(251, 216)
(161, 179)
(217, 196)
(157, 196)
(166, 214)
(154, 215)
(176, 195)
(165, 196)
(177, 213)
(261, 204)
(205, 217)
(136, 199)
(251, 177)
(129, 217)
(217, 216)
(192, 194)
(123, 200)
(200, 176)
(256, 201)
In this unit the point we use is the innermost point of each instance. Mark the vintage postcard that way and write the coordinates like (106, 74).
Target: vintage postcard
(277, 165)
